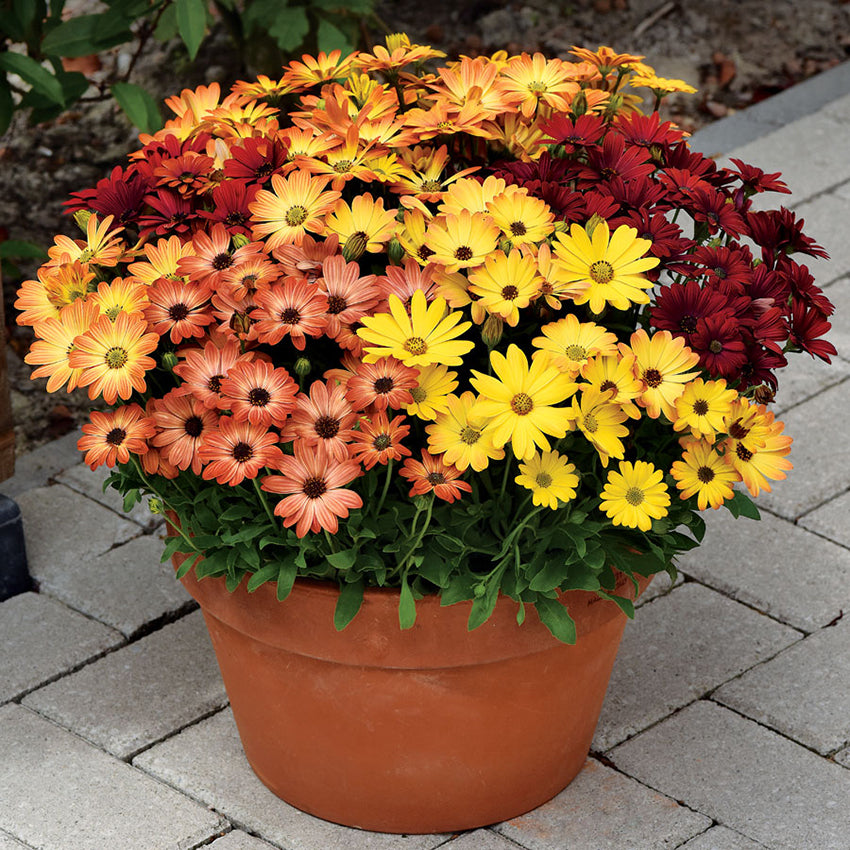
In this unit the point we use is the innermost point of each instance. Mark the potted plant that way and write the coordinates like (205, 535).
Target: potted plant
(465, 351)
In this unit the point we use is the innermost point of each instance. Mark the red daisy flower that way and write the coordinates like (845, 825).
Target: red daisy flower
(582, 132)
(203, 370)
(324, 417)
(230, 206)
(379, 441)
(295, 308)
(724, 264)
(120, 195)
(720, 346)
(434, 475)
(183, 424)
(807, 326)
(647, 130)
(187, 173)
(258, 392)
(711, 206)
(112, 435)
(179, 310)
(779, 232)
(386, 383)
(614, 159)
(802, 286)
(754, 180)
(760, 365)
(316, 484)
(238, 450)
(171, 214)
(680, 306)
(255, 160)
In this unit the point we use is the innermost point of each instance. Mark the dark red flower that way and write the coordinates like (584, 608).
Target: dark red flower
(256, 159)
(802, 286)
(769, 287)
(711, 207)
(120, 195)
(230, 206)
(582, 132)
(754, 180)
(759, 366)
(679, 307)
(668, 244)
(647, 130)
(807, 326)
(614, 159)
(779, 232)
(720, 346)
(170, 214)
(724, 264)
(636, 194)
(682, 157)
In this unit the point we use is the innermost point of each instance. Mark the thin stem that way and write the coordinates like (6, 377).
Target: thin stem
(384, 492)
(264, 501)
(508, 458)
(421, 533)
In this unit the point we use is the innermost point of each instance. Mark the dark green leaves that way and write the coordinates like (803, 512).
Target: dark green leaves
(554, 616)
(41, 80)
(348, 604)
(742, 505)
(191, 24)
(87, 34)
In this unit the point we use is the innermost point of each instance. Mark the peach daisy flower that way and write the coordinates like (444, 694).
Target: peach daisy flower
(294, 308)
(181, 311)
(434, 475)
(111, 436)
(323, 418)
(385, 383)
(203, 370)
(259, 393)
(379, 441)
(183, 423)
(238, 450)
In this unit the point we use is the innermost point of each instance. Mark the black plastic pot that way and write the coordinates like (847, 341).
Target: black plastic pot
(14, 576)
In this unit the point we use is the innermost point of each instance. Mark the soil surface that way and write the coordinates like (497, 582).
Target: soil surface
(736, 52)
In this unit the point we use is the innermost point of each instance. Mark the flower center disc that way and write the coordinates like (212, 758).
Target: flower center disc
(700, 407)
(576, 352)
(463, 253)
(382, 442)
(601, 271)
(116, 436)
(705, 474)
(634, 496)
(242, 452)
(652, 377)
(522, 404)
(544, 480)
(116, 357)
(415, 345)
(314, 487)
(418, 394)
(258, 397)
(509, 293)
(470, 436)
(295, 216)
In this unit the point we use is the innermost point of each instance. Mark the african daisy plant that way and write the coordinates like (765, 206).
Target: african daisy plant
(487, 329)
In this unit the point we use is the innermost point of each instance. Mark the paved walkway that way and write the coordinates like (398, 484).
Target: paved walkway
(727, 723)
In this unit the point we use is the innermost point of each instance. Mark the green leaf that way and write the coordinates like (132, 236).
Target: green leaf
(554, 616)
(286, 578)
(166, 29)
(138, 105)
(41, 80)
(354, 7)
(289, 27)
(269, 572)
(344, 560)
(406, 606)
(131, 497)
(87, 34)
(231, 582)
(331, 37)
(191, 24)
(742, 505)
(549, 577)
(7, 107)
(348, 604)
(625, 605)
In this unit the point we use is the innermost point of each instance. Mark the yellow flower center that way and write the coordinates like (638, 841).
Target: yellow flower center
(469, 435)
(116, 357)
(419, 395)
(522, 404)
(576, 352)
(536, 87)
(544, 480)
(112, 313)
(634, 496)
(590, 423)
(431, 186)
(295, 216)
(342, 166)
(601, 271)
(415, 345)
(382, 442)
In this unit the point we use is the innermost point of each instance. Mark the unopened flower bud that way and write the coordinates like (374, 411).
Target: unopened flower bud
(302, 367)
(81, 218)
(561, 226)
(240, 323)
(505, 245)
(491, 332)
(395, 251)
(594, 221)
(155, 506)
(239, 240)
(354, 246)
(169, 360)
(614, 105)
(578, 105)
(763, 394)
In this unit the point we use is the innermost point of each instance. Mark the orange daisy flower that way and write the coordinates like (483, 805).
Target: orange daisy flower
(319, 69)
(183, 423)
(203, 370)
(103, 246)
(238, 450)
(386, 383)
(379, 441)
(258, 392)
(434, 475)
(537, 79)
(113, 357)
(314, 484)
(111, 436)
(163, 259)
(350, 296)
(181, 311)
(56, 287)
(295, 308)
(249, 275)
(212, 257)
(307, 258)
(325, 417)
(768, 461)
(403, 281)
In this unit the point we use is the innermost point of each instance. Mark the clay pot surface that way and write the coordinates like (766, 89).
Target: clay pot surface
(433, 729)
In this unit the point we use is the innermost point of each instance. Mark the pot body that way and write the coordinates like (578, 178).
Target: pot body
(433, 729)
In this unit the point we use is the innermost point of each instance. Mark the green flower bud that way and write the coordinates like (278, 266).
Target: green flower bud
(491, 332)
(302, 367)
(81, 218)
(355, 246)
(169, 360)
(239, 240)
(155, 506)
(395, 251)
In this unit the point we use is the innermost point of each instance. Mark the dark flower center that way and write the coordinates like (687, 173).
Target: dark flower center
(383, 385)
(700, 407)
(688, 324)
(242, 452)
(715, 346)
(178, 312)
(290, 316)
(214, 383)
(326, 427)
(314, 487)
(424, 252)
(435, 478)
(705, 474)
(336, 304)
(382, 442)
(259, 397)
(518, 228)
(522, 404)
(222, 261)
(193, 426)
(652, 377)
(116, 436)
(463, 253)
(509, 293)
(744, 454)
(737, 431)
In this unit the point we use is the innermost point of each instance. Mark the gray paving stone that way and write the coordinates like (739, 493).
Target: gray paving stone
(126, 587)
(140, 693)
(42, 639)
(743, 776)
(660, 585)
(90, 482)
(820, 454)
(238, 840)
(480, 839)
(721, 838)
(602, 809)
(62, 529)
(804, 692)
(206, 762)
(839, 293)
(843, 757)
(775, 566)
(830, 520)
(36, 468)
(804, 378)
(9, 843)
(825, 222)
(60, 793)
(677, 650)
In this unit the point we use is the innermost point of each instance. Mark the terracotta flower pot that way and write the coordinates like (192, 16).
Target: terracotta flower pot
(435, 729)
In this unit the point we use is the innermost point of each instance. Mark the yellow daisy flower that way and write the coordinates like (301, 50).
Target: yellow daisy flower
(660, 86)
(411, 234)
(471, 195)
(428, 335)
(431, 393)
(123, 295)
(103, 247)
(506, 284)
(610, 267)
(365, 222)
(615, 375)
(661, 362)
(635, 495)
(553, 290)
(163, 257)
(463, 240)
(756, 466)
(703, 472)
(702, 407)
(569, 343)
(520, 401)
(551, 478)
(522, 218)
(463, 438)
(536, 79)
(601, 421)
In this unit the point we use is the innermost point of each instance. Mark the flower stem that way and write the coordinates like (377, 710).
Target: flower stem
(264, 501)
(384, 492)
(420, 534)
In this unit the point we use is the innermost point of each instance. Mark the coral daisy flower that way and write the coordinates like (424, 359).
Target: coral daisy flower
(379, 440)
(569, 343)
(238, 450)
(609, 266)
(424, 337)
(111, 436)
(704, 473)
(703, 407)
(434, 475)
(506, 283)
(249, 275)
(462, 438)
(635, 495)
(520, 401)
(404, 280)
(430, 395)
(56, 342)
(350, 296)
(522, 218)
(258, 392)
(203, 370)
(182, 425)
(363, 226)
(551, 478)
(212, 257)
(318, 69)
(323, 418)
(538, 79)
(661, 362)
(601, 422)
(314, 484)
(296, 204)
(294, 308)
(179, 310)
(463, 240)
(385, 383)
(113, 357)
